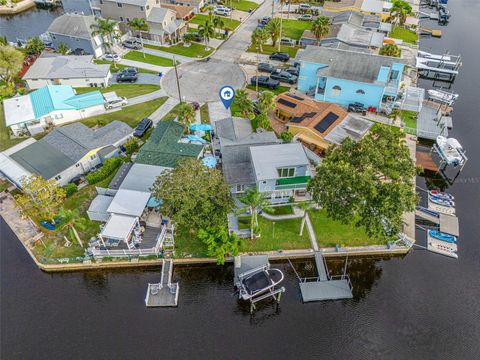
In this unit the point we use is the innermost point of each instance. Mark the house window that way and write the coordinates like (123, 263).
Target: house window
(141, 8)
(119, 4)
(54, 37)
(286, 172)
(58, 177)
(92, 157)
(336, 90)
(77, 165)
(59, 116)
(128, 19)
(121, 18)
(360, 91)
(240, 188)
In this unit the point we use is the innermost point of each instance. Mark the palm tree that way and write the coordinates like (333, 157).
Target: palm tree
(63, 49)
(34, 45)
(259, 38)
(254, 200)
(3, 40)
(139, 25)
(274, 28)
(282, 3)
(186, 114)
(321, 27)
(304, 206)
(218, 22)
(108, 31)
(70, 221)
(243, 102)
(400, 10)
(266, 101)
(207, 30)
(390, 50)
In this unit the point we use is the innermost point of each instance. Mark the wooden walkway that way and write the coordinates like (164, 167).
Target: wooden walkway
(164, 293)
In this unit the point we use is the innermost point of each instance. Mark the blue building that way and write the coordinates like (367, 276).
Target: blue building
(344, 77)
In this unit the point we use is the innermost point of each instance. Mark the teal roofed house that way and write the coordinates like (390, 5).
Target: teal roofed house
(165, 148)
(50, 105)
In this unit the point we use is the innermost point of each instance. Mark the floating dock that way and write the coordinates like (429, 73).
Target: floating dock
(164, 293)
(325, 287)
(431, 122)
(447, 223)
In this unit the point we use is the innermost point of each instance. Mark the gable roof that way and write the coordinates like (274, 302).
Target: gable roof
(130, 2)
(159, 14)
(66, 67)
(163, 147)
(73, 25)
(347, 64)
(237, 131)
(354, 35)
(181, 11)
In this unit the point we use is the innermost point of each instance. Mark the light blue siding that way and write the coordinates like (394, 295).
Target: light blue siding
(350, 92)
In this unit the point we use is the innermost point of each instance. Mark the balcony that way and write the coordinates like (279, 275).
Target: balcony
(292, 183)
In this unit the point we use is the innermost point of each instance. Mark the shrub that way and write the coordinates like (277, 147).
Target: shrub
(131, 146)
(109, 166)
(70, 189)
(261, 121)
(286, 136)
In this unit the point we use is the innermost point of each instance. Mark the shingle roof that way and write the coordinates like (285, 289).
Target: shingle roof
(73, 25)
(130, 2)
(158, 15)
(236, 131)
(163, 148)
(346, 64)
(66, 67)
(180, 11)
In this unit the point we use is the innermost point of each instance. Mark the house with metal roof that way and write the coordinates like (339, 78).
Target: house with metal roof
(165, 146)
(69, 151)
(75, 31)
(50, 105)
(72, 70)
(318, 125)
(344, 77)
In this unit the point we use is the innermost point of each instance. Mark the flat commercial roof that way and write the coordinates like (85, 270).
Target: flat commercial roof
(18, 110)
(119, 227)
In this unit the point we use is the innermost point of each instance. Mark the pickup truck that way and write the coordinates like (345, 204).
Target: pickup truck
(284, 76)
(265, 81)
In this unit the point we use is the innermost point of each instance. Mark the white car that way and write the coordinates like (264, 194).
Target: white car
(114, 103)
(306, 17)
(221, 7)
(304, 6)
(222, 12)
(111, 57)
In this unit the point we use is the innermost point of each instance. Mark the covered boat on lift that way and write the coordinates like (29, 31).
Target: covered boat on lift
(442, 236)
(258, 281)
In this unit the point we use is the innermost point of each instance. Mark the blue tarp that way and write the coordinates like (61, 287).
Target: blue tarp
(153, 203)
(203, 127)
(209, 161)
(196, 138)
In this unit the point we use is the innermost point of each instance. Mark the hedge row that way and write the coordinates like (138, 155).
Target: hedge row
(109, 166)
(70, 189)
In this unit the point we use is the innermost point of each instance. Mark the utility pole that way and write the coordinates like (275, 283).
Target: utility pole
(256, 75)
(178, 80)
(273, 7)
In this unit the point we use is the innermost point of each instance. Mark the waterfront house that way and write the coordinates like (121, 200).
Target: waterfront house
(164, 26)
(50, 105)
(75, 31)
(165, 147)
(372, 7)
(197, 5)
(318, 125)
(68, 152)
(344, 77)
(73, 70)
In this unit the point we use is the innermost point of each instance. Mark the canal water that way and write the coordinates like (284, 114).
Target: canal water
(421, 306)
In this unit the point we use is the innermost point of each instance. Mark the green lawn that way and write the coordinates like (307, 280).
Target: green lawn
(127, 90)
(330, 232)
(406, 35)
(130, 115)
(149, 59)
(188, 245)
(278, 235)
(279, 210)
(410, 120)
(5, 141)
(172, 114)
(277, 91)
(269, 49)
(294, 29)
(119, 67)
(230, 24)
(204, 114)
(195, 50)
(243, 5)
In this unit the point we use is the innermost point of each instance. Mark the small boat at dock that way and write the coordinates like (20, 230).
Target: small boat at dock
(442, 236)
(441, 201)
(442, 96)
(442, 195)
(258, 281)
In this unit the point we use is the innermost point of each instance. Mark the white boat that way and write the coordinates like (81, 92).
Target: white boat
(442, 96)
(451, 150)
(258, 281)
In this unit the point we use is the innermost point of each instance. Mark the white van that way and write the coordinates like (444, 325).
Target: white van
(112, 100)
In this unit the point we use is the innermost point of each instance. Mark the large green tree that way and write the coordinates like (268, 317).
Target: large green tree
(34, 46)
(368, 183)
(243, 103)
(254, 201)
(108, 30)
(11, 62)
(320, 27)
(219, 242)
(390, 50)
(40, 198)
(259, 38)
(207, 30)
(400, 10)
(266, 101)
(186, 114)
(139, 26)
(274, 28)
(194, 197)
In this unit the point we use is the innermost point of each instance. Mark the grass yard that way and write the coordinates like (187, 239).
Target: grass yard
(127, 90)
(119, 67)
(5, 141)
(204, 114)
(149, 59)
(172, 114)
(410, 120)
(195, 50)
(269, 49)
(188, 245)
(230, 24)
(406, 35)
(278, 235)
(130, 115)
(294, 29)
(277, 91)
(243, 5)
(330, 232)
(279, 210)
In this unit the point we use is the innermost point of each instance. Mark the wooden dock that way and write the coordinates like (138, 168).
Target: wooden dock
(425, 161)
(164, 293)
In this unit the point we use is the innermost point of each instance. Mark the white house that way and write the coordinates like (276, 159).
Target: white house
(73, 70)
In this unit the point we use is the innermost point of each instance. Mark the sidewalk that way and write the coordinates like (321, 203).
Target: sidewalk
(163, 110)
(143, 65)
(146, 97)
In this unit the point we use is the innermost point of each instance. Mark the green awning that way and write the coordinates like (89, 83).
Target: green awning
(293, 180)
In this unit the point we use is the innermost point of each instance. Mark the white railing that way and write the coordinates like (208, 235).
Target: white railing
(123, 252)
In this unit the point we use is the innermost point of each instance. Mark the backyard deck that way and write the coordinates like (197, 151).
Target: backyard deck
(431, 123)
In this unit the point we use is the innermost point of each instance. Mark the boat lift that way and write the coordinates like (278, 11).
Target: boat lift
(450, 153)
(438, 67)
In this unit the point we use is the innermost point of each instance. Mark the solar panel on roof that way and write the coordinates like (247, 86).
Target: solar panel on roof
(326, 122)
(287, 103)
(295, 97)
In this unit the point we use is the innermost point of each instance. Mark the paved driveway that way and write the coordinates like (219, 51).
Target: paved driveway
(142, 79)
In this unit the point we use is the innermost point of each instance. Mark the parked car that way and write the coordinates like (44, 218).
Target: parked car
(266, 67)
(304, 6)
(197, 37)
(294, 70)
(281, 56)
(288, 41)
(129, 70)
(256, 110)
(357, 107)
(284, 76)
(306, 17)
(142, 127)
(222, 12)
(221, 7)
(118, 102)
(127, 77)
(265, 81)
(111, 57)
(132, 43)
(265, 20)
